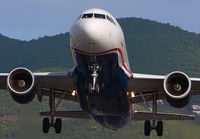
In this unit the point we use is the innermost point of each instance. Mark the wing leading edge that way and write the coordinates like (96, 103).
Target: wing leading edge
(147, 85)
(137, 116)
(62, 82)
(68, 114)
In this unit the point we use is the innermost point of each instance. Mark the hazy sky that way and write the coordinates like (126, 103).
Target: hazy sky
(28, 19)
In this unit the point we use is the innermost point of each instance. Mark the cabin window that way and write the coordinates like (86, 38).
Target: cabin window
(101, 16)
(110, 19)
(90, 15)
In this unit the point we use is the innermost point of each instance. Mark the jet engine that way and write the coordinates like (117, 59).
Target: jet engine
(177, 86)
(21, 85)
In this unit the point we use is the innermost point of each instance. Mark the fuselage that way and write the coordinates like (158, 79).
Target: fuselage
(102, 67)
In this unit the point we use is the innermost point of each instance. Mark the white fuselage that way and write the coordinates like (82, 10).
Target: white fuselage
(95, 36)
(102, 67)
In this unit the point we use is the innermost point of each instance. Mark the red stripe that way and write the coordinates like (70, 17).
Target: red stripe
(99, 53)
(131, 108)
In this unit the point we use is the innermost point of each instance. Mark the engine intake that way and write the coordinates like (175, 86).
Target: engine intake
(177, 86)
(21, 84)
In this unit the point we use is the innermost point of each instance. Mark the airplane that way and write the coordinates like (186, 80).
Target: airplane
(101, 81)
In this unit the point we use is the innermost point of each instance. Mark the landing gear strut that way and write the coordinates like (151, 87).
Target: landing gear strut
(57, 124)
(94, 87)
(147, 124)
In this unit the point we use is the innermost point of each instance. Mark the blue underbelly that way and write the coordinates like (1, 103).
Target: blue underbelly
(107, 102)
(111, 112)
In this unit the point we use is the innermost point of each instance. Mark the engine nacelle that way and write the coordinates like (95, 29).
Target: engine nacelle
(177, 86)
(21, 85)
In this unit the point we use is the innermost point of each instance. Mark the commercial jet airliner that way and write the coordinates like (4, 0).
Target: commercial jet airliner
(101, 81)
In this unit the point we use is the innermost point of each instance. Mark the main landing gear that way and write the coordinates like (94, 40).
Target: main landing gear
(147, 124)
(47, 123)
(148, 127)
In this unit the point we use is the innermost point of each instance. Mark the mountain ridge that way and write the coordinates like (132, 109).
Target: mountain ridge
(172, 49)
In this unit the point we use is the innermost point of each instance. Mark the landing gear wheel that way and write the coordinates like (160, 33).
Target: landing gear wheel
(147, 128)
(97, 88)
(46, 125)
(159, 128)
(58, 126)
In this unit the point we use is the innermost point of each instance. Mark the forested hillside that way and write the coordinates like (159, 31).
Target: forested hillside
(160, 48)
(35, 54)
(152, 48)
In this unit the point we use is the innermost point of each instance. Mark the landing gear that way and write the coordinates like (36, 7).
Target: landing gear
(148, 127)
(47, 123)
(147, 124)
(58, 126)
(94, 87)
(159, 128)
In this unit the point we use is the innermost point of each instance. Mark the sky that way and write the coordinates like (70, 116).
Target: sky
(30, 19)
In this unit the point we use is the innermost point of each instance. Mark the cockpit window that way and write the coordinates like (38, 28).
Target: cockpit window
(110, 19)
(101, 16)
(79, 17)
(90, 15)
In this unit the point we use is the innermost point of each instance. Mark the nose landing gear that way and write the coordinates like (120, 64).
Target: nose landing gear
(94, 87)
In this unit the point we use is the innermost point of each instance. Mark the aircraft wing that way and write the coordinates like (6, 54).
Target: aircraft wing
(3, 80)
(62, 83)
(145, 85)
(68, 114)
(137, 116)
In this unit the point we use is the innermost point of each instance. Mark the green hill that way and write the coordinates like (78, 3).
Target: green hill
(35, 54)
(152, 48)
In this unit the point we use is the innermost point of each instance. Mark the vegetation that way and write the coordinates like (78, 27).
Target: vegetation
(152, 48)
(29, 124)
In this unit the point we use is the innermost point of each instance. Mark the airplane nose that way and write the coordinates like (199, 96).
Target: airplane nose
(91, 36)
(89, 32)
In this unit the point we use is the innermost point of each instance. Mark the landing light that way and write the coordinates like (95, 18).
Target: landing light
(73, 92)
(132, 94)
